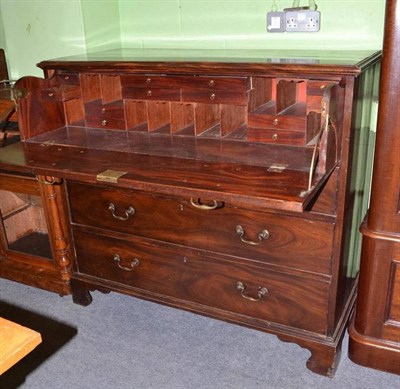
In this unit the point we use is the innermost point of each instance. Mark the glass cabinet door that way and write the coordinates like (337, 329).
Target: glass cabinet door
(34, 237)
(24, 223)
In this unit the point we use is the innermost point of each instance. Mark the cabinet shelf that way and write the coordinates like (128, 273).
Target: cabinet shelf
(208, 146)
(34, 243)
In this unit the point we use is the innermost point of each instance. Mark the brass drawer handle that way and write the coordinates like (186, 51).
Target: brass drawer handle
(104, 122)
(133, 264)
(197, 204)
(212, 96)
(264, 234)
(149, 93)
(148, 80)
(211, 83)
(129, 212)
(262, 292)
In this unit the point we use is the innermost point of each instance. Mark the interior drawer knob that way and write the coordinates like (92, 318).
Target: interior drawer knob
(263, 235)
(129, 212)
(262, 292)
(212, 96)
(130, 266)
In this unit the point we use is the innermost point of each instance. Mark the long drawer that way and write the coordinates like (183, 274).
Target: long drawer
(232, 84)
(200, 89)
(187, 275)
(277, 239)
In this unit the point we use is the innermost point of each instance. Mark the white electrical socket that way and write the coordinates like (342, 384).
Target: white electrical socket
(276, 22)
(302, 21)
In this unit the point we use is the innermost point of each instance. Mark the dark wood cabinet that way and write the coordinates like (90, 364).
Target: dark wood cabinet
(375, 328)
(34, 246)
(223, 184)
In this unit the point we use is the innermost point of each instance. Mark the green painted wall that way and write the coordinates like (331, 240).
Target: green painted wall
(101, 24)
(242, 24)
(41, 29)
(2, 34)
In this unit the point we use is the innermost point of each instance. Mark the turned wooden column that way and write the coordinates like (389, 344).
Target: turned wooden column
(375, 328)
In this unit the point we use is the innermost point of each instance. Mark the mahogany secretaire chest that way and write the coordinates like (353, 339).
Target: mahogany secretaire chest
(227, 183)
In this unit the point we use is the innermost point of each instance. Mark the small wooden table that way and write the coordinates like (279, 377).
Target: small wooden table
(16, 341)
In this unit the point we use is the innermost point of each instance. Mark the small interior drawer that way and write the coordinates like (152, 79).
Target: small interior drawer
(229, 84)
(105, 122)
(278, 136)
(149, 81)
(232, 84)
(68, 78)
(187, 275)
(151, 93)
(214, 97)
(113, 110)
(280, 122)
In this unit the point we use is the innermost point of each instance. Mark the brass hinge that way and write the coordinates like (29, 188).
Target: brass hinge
(110, 175)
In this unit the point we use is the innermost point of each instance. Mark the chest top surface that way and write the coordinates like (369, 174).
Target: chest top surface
(227, 61)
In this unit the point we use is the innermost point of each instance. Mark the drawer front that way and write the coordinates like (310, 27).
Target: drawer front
(288, 241)
(110, 116)
(214, 97)
(184, 274)
(232, 84)
(285, 137)
(108, 123)
(152, 93)
(68, 78)
(149, 81)
(105, 111)
(278, 122)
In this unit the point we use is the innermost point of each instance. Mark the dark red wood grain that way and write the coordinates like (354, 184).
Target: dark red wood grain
(375, 328)
(199, 128)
